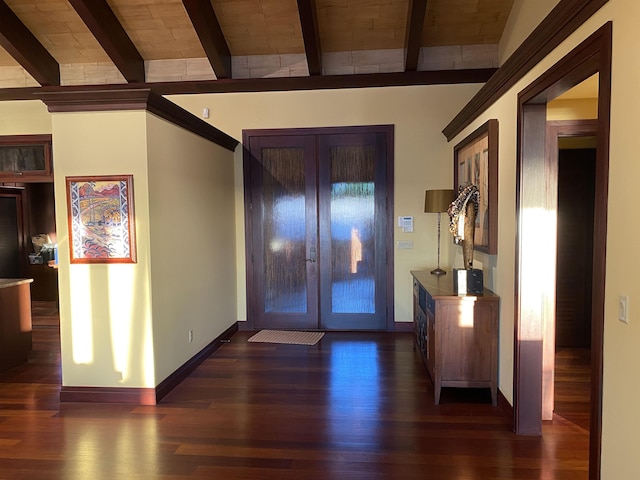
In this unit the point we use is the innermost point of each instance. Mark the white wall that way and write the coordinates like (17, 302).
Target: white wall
(525, 16)
(125, 325)
(422, 159)
(105, 310)
(24, 117)
(192, 221)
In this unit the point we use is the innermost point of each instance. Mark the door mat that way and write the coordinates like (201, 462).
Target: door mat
(286, 336)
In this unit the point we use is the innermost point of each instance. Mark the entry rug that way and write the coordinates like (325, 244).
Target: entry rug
(285, 336)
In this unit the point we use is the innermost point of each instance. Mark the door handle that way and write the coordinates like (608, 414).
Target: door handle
(312, 255)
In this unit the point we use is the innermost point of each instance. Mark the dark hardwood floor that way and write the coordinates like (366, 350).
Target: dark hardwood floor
(355, 406)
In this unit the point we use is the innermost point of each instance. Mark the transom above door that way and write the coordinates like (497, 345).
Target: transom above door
(319, 230)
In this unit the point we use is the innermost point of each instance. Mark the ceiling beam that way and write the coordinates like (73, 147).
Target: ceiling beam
(110, 34)
(413, 39)
(206, 24)
(311, 35)
(277, 84)
(21, 44)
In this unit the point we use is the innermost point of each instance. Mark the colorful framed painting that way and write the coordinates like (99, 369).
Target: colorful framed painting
(101, 219)
(476, 162)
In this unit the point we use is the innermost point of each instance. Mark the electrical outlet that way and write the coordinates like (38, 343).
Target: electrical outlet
(190, 336)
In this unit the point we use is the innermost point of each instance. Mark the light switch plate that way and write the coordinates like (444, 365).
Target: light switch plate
(623, 308)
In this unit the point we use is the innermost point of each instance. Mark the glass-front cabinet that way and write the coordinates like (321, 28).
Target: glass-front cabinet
(25, 158)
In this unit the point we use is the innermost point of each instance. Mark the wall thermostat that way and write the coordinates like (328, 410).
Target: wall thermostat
(406, 223)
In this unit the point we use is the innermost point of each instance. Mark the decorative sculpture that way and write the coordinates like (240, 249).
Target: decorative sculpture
(462, 214)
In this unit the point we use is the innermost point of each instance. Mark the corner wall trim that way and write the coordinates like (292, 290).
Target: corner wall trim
(143, 98)
(561, 22)
(145, 396)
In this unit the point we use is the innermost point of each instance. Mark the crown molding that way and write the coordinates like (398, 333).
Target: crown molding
(68, 99)
(556, 27)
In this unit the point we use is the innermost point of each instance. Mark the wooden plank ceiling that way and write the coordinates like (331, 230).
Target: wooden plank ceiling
(78, 42)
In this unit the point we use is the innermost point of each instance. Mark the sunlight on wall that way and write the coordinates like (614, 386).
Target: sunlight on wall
(121, 286)
(82, 326)
(538, 253)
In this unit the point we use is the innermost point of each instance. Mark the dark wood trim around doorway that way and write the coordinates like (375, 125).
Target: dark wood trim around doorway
(590, 57)
(388, 131)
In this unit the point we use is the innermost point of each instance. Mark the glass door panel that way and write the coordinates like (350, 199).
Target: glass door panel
(352, 221)
(352, 174)
(284, 225)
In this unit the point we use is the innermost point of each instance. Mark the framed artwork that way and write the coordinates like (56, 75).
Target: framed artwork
(476, 162)
(101, 219)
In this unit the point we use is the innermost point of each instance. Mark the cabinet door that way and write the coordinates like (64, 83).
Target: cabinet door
(431, 343)
(25, 158)
(465, 330)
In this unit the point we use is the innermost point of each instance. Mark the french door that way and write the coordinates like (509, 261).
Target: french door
(318, 228)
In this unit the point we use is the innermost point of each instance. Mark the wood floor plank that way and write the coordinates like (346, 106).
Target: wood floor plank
(354, 406)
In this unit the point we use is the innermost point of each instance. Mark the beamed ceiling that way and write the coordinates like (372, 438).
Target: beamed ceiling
(218, 45)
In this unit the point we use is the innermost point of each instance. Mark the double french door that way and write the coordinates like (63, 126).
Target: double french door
(318, 232)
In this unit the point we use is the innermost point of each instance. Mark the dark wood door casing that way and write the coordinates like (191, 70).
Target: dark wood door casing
(387, 131)
(590, 57)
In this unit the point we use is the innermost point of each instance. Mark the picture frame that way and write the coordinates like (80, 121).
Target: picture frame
(101, 219)
(476, 162)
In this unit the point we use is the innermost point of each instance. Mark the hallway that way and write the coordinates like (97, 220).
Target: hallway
(355, 406)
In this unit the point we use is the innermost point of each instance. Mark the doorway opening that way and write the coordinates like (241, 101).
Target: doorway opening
(573, 148)
(27, 221)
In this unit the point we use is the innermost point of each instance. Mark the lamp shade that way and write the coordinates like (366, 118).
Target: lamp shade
(437, 201)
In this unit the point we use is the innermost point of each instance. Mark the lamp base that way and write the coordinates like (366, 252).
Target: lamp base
(438, 271)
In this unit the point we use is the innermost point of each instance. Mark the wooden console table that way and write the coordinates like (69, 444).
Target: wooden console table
(15, 322)
(456, 335)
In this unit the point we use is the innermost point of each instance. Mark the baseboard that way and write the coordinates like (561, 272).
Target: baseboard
(403, 326)
(245, 326)
(183, 372)
(145, 396)
(136, 396)
(505, 407)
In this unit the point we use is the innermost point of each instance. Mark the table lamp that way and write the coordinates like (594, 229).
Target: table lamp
(438, 201)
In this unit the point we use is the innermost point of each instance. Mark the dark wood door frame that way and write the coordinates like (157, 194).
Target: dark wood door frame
(388, 130)
(535, 191)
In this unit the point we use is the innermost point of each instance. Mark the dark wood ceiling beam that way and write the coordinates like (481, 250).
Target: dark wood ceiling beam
(327, 82)
(205, 22)
(413, 39)
(23, 46)
(279, 84)
(311, 35)
(110, 34)
(321, 82)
